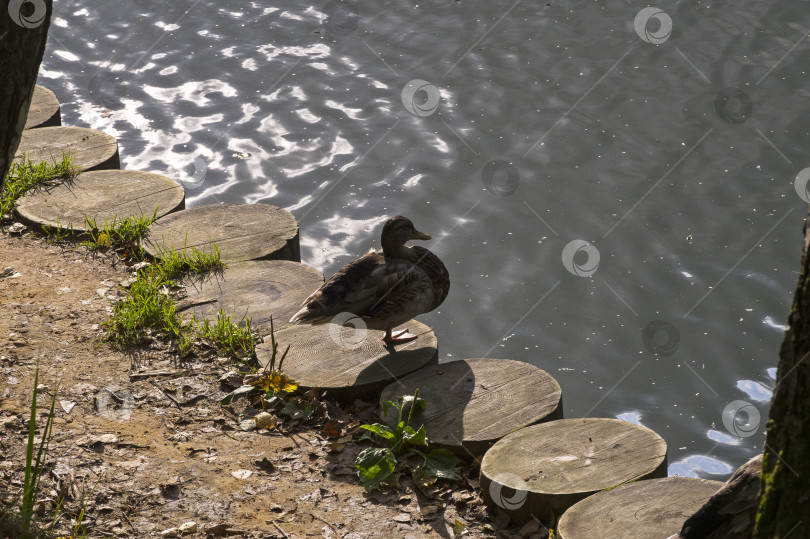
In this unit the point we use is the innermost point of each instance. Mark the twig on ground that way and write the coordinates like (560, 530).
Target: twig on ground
(167, 395)
(279, 528)
(337, 534)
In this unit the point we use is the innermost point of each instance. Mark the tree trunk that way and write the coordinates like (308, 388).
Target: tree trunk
(786, 466)
(23, 31)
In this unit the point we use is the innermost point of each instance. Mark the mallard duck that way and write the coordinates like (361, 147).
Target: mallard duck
(384, 288)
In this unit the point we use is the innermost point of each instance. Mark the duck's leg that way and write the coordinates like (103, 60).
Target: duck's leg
(400, 337)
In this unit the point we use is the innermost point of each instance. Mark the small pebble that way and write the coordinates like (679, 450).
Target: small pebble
(188, 527)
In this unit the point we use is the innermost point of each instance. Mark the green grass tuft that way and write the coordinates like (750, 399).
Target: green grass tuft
(34, 466)
(25, 175)
(238, 341)
(18, 524)
(123, 234)
(189, 261)
(150, 307)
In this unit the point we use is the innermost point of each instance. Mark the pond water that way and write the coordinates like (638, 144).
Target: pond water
(615, 190)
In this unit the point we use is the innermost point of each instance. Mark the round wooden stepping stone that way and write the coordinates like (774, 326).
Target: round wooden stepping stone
(651, 508)
(44, 110)
(350, 363)
(473, 403)
(101, 195)
(89, 148)
(542, 470)
(259, 289)
(241, 231)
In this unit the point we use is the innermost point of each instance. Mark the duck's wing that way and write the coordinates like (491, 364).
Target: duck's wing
(398, 291)
(368, 287)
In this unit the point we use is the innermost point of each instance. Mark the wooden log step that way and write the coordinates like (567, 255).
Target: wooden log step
(350, 363)
(44, 110)
(258, 289)
(473, 403)
(650, 508)
(89, 148)
(241, 231)
(101, 195)
(542, 470)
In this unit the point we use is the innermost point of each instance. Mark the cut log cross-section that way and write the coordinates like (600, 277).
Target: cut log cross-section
(542, 470)
(89, 149)
(240, 231)
(350, 363)
(103, 196)
(473, 403)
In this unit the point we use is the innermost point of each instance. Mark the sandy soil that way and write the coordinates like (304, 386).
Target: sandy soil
(143, 438)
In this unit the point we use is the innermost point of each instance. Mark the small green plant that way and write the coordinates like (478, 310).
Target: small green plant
(123, 234)
(270, 390)
(377, 464)
(58, 234)
(25, 175)
(78, 529)
(34, 466)
(149, 307)
(174, 264)
(239, 341)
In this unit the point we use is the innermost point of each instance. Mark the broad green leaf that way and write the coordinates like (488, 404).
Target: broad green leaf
(296, 409)
(227, 375)
(239, 392)
(375, 465)
(402, 408)
(442, 464)
(408, 401)
(270, 403)
(383, 431)
(416, 438)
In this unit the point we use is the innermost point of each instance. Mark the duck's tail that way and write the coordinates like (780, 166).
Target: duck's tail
(307, 316)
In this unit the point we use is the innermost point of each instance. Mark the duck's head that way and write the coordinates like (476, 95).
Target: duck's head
(396, 232)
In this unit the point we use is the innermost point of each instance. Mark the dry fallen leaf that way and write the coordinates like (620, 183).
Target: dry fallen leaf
(67, 406)
(241, 474)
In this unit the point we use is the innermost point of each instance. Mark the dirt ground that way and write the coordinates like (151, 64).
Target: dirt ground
(143, 439)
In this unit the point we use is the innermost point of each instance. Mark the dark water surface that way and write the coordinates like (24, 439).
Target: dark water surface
(507, 131)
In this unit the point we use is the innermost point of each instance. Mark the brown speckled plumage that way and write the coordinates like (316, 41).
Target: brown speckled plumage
(385, 288)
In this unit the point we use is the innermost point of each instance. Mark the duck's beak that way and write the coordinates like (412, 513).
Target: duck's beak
(420, 235)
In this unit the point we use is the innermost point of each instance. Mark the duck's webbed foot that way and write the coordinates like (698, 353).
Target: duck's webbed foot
(400, 337)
